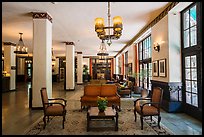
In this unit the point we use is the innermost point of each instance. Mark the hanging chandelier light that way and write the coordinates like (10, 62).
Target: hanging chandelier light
(20, 48)
(53, 57)
(116, 29)
(102, 50)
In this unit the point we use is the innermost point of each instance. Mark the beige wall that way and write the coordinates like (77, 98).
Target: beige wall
(160, 34)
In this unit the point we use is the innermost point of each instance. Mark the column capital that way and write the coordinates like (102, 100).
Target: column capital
(68, 43)
(9, 44)
(41, 15)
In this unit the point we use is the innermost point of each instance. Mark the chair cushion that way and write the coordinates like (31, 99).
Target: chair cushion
(147, 110)
(54, 110)
(108, 90)
(92, 90)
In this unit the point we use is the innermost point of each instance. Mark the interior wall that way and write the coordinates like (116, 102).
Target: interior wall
(159, 34)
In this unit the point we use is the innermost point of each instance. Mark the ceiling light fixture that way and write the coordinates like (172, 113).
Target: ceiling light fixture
(102, 50)
(101, 29)
(53, 57)
(20, 48)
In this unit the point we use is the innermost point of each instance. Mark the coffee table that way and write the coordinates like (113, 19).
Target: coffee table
(109, 114)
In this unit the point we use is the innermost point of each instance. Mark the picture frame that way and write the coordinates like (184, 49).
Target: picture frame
(162, 68)
(155, 68)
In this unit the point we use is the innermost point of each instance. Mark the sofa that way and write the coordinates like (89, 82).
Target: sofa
(92, 91)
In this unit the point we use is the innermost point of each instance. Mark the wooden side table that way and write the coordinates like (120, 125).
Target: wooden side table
(109, 114)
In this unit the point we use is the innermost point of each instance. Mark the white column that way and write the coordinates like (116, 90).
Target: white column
(42, 57)
(10, 64)
(70, 65)
(79, 68)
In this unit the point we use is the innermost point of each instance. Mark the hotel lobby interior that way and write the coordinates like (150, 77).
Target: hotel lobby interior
(62, 62)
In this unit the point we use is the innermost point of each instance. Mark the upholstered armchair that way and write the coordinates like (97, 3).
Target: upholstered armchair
(149, 106)
(50, 108)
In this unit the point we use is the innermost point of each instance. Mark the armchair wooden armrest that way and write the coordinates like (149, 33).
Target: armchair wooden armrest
(135, 101)
(53, 99)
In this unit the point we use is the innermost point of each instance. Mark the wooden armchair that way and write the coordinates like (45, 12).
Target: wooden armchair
(52, 108)
(151, 108)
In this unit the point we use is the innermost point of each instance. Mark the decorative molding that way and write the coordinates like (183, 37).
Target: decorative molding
(157, 19)
(69, 43)
(79, 52)
(9, 44)
(41, 15)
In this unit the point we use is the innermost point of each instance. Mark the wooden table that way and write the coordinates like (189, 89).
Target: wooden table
(109, 114)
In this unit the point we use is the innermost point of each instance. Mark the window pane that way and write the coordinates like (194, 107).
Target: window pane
(194, 74)
(188, 85)
(193, 16)
(194, 86)
(187, 62)
(188, 98)
(195, 100)
(186, 20)
(193, 61)
(188, 75)
(193, 36)
(186, 38)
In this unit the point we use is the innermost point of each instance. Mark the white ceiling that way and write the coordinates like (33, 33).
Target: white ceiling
(74, 21)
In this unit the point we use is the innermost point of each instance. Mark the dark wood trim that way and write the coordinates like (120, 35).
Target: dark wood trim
(172, 95)
(37, 108)
(41, 15)
(191, 110)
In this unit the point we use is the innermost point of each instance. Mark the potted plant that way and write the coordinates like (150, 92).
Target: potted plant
(102, 103)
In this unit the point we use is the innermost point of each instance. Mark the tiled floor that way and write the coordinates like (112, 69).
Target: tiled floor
(17, 117)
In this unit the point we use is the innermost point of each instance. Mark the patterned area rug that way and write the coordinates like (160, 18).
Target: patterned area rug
(75, 123)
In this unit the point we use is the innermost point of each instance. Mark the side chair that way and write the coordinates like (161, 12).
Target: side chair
(50, 108)
(150, 106)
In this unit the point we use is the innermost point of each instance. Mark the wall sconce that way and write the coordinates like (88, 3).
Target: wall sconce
(156, 47)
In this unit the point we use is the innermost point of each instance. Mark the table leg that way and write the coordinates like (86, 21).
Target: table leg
(116, 122)
(88, 119)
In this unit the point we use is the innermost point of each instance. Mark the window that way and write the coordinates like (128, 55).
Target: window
(145, 65)
(192, 59)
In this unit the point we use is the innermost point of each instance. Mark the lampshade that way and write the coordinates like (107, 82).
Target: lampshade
(99, 24)
(117, 23)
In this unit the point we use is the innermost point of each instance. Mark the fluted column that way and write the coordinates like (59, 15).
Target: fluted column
(42, 57)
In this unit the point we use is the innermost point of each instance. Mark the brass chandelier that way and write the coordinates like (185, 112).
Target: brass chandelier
(116, 29)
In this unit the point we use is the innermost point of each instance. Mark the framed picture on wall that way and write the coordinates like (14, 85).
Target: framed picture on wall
(155, 68)
(162, 68)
